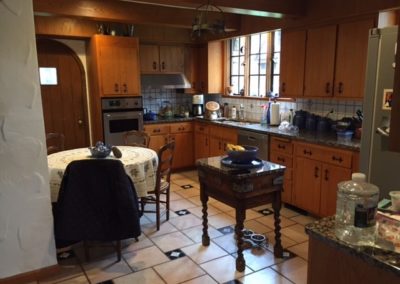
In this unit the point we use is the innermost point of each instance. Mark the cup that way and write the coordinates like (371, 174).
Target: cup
(395, 196)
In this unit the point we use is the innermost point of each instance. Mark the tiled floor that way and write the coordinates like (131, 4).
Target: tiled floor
(174, 254)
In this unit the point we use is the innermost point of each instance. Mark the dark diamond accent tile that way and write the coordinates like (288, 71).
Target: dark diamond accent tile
(187, 186)
(182, 212)
(174, 254)
(226, 230)
(65, 255)
(287, 254)
(266, 211)
(235, 281)
(106, 282)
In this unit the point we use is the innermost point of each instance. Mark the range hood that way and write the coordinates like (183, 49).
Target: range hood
(164, 81)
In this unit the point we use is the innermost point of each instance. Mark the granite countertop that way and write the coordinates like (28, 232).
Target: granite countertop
(324, 230)
(328, 139)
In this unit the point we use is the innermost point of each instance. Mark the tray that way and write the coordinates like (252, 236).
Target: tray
(256, 163)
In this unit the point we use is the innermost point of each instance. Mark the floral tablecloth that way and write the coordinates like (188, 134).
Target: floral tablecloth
(140, 165)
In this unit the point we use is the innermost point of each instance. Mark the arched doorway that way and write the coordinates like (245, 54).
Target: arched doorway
(63, 93)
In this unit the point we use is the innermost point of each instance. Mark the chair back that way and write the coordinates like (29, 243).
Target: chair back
(54, 142)
(136, 138)
(165, 158)
(97, 202)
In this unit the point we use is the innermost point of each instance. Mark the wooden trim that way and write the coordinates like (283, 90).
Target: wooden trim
(33, 275)
(394, 139)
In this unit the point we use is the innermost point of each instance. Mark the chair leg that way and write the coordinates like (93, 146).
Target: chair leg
(86, 248)
(118, 250)
(142, 203)
(158, 210)
(167, 202)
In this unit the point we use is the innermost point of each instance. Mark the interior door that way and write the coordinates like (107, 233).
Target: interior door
(64, 101)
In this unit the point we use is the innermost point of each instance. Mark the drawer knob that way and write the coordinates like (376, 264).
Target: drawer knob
(281, 159)
(338, 159)
(307, 152)
(281, 146)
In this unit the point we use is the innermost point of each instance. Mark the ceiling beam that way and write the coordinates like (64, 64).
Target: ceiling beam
(263, 8)
(125, 12)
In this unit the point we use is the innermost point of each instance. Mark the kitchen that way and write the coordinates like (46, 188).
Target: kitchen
(247, 27)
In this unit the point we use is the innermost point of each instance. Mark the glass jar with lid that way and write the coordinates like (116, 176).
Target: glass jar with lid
(356, 207)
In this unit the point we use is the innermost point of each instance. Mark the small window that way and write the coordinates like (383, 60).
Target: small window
(48, 75)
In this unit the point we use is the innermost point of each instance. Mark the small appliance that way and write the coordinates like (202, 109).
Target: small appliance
(212, 109)
(198, 105)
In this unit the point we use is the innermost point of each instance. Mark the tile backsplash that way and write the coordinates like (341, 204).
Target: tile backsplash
(154, 99)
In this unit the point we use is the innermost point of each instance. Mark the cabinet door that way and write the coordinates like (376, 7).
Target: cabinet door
(109, 58)
(216, 147)
(351, 54)
(331, 176)
(149, 58)
(201, 145)
(320, 61)
(183, 156)
(215, 72)
(306, 190)
(129, 71)
(293, 52)
(172, 59)
(192, 69)
(157, 141)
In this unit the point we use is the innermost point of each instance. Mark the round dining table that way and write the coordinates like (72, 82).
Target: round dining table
(140, 165)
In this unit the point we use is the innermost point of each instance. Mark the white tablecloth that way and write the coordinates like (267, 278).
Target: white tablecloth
(140, 165)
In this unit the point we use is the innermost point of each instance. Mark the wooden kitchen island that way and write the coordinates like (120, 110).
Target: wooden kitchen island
(241, 188)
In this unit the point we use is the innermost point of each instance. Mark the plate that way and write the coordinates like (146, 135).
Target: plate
(253, 164)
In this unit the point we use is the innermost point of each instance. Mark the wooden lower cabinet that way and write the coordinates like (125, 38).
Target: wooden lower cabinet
(281, 150)
(317, 172)
(201, 140)
(181, 133)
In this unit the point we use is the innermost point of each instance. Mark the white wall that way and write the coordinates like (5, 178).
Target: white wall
(26, 222)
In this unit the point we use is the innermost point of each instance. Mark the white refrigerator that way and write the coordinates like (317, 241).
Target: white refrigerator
(381, 166)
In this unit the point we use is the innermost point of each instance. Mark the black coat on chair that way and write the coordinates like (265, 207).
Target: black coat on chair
(97, 202)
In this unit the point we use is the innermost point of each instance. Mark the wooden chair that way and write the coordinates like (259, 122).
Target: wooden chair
(54, 142)
(136, 138)
(97, 202)
(163, 182)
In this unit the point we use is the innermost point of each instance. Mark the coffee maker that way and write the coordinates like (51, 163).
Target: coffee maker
(198, 105)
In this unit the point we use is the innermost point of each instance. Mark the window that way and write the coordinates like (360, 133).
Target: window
(254, 64)
(48, 75)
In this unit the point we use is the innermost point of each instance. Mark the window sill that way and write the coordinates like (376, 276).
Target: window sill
(261, 98)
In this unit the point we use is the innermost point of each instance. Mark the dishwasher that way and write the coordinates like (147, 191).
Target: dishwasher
(255, 139)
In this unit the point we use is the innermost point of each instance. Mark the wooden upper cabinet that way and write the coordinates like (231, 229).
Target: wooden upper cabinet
(293, 49)
(117, 65)
(351, 54)
(320, 61)
(192, 69)
(161, 58)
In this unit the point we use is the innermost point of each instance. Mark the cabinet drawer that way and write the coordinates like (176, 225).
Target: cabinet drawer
(309, 151)
(156, 129)
(281, 159)
(202, 128)
(337, 157)
(181, 127)
(281, 145)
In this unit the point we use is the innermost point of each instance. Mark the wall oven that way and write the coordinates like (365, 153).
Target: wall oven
(119, 116)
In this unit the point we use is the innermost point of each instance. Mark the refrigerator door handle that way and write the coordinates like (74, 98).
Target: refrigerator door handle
(384, 131)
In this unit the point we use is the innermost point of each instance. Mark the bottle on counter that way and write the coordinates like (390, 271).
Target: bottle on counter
(233, 112)
(241, 112)
(356, 206)
(226, 110)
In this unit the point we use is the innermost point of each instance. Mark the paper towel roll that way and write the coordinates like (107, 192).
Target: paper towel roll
(275, 120)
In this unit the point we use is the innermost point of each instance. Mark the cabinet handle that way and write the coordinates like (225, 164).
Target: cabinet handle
(281, 159)
(154, 65)
(338, 159)
(166, 140)
(194, 85)
(328, 88)
(163, 65)
(340, 90)
(326, 175)
(219, 145)
(116, 88)
(125, 88)
(206, 141)
(316, 170)
(283, 87)
(201, 128)
(224, 146)
(281, 146)
(307, 152)
(202, 85)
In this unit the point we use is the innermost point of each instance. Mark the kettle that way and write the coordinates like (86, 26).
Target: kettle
(299, 119)
(149, 115)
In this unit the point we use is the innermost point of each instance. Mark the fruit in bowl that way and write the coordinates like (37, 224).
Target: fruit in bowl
(241, 154)
(100, 150)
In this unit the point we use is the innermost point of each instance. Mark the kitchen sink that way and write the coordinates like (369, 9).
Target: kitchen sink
(235, 122)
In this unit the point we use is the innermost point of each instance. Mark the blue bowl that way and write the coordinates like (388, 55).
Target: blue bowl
(243, 157)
